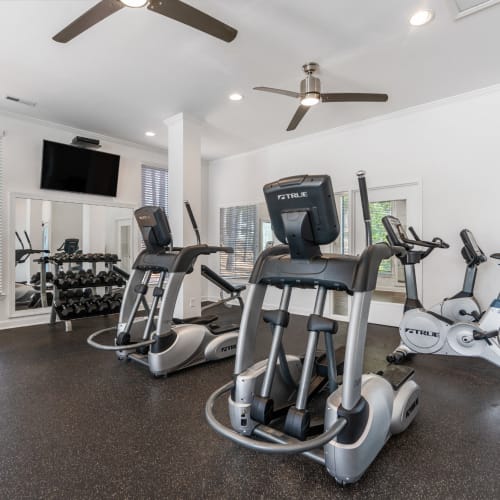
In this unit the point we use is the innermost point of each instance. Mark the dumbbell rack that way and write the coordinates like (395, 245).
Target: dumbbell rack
(58, 262)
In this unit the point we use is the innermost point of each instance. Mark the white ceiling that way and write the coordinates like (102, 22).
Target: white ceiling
(133, 70)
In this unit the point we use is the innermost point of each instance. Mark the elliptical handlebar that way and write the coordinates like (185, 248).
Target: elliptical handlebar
(19, 239)
(193, 221)
(28, 239)
(363, 193)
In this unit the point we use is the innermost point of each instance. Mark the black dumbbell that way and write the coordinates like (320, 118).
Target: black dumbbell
(79, 308)
(85, 278)
(65, 311)
(91, 306)
(103, 306)
(114, 302)
(118, 280)
(60, 281)
(105, 278)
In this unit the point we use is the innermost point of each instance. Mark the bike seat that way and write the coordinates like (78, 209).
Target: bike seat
(495, 255)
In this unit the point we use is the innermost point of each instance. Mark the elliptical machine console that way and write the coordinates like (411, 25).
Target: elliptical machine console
(154, 227)
(271, 399)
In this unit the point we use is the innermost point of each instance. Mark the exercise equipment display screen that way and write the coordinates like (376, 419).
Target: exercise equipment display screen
(70, 168)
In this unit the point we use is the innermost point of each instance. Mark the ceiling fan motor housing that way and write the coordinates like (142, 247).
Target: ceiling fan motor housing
(310, 86)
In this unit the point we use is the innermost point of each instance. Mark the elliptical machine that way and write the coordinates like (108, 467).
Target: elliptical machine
(361, 414)
(26, 294)
(463, 306)
(164, 347)
(427, 332)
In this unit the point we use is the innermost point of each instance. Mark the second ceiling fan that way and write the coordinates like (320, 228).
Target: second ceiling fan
(310, 94)
(174, 9)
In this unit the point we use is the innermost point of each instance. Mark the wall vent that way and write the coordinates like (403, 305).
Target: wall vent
(468, 7)
(23, 101)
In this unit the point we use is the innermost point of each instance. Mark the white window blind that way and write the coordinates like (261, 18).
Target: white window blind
(238, 229)
(341, 244)
(1, 210)
(155, 187)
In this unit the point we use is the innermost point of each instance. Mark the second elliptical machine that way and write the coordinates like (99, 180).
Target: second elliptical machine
(154, 340)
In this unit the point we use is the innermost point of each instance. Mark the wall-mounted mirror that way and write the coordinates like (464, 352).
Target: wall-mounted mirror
(43, 226)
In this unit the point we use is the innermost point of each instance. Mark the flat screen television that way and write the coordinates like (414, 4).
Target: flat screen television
(70, 168)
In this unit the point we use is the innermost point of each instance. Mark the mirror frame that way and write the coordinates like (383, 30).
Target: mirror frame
(13, 196)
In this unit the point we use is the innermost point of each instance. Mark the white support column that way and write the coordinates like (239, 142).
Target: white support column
(184, 183)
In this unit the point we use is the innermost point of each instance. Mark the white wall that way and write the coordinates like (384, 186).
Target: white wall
(452, 147)
(66, 222)
(22, 166)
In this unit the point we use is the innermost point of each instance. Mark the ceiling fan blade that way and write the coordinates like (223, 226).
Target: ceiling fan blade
(278, 91)
(95, 14)
(353, 97)
(299, 114)
(175, 9)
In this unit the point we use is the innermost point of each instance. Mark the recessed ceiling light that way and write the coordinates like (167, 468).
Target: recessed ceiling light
(150, 133)
(421, 17)
(135, 3)
(235, 97)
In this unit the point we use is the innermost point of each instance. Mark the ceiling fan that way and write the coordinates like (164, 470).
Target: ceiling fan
(174, 9)
(310, 94)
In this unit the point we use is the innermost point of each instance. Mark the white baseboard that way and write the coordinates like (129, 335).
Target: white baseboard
(38, 319)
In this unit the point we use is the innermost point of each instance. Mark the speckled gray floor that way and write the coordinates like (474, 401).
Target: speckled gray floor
(77, 423)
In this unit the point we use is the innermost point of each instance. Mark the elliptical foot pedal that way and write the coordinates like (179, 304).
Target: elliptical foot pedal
(322, 366)
(218, 329)
(397, 375)
(142, 350)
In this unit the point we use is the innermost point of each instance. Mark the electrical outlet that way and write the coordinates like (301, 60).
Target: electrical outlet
(192, 303)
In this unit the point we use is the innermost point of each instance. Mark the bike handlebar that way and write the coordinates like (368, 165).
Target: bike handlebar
(431, 245)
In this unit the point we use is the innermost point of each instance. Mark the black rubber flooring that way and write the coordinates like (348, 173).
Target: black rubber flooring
(77, 423)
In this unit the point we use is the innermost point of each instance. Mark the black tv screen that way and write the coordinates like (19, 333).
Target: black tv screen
(70, 168)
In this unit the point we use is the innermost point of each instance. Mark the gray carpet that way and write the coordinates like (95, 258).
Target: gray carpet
(77, 423)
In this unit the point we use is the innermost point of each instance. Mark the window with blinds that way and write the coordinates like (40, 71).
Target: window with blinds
(154, 193)
(238, 229)
(341, 244)
(155, 187)
(1, 211)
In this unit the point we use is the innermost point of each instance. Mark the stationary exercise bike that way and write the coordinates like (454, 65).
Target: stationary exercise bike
(463, 306)
(427, 332)
(270, 400)
(154, 340)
